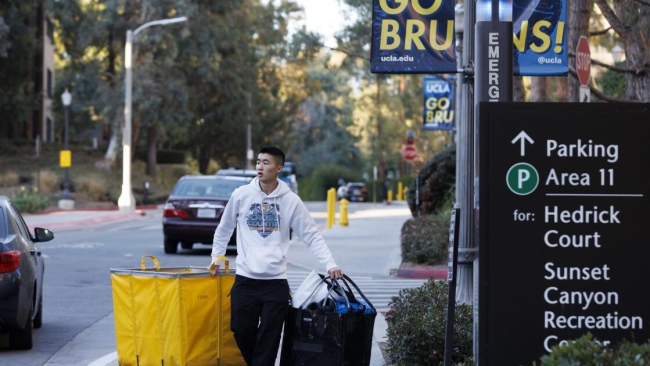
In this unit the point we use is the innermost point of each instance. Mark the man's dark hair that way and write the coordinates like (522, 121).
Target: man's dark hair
(275, 152)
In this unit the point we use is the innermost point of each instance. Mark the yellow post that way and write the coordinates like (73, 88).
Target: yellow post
(389, 197)
(400, 191)
(343, 216)
(406, 189)
(331, 198)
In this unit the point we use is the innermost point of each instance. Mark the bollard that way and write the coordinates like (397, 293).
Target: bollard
(145, 193)
(389, 196)
(331, 206)
(400, 192)
(343, 216)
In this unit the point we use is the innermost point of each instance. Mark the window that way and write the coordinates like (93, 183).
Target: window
(48, 130)
(49, 83)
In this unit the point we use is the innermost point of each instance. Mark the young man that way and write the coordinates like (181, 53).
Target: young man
(264, 212)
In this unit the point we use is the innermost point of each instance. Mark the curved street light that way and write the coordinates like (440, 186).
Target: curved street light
(126, 202)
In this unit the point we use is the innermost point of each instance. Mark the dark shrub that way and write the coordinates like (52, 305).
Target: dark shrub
(588, 351)
(425, 239)
(323, 178)
(416, 327)
(436, 181)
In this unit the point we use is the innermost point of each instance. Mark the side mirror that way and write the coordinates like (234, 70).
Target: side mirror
(43, 234)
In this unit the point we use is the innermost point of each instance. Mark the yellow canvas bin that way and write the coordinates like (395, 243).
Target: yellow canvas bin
(173, 316)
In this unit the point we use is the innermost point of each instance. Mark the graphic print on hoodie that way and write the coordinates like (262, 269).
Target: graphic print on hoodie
(264, 218)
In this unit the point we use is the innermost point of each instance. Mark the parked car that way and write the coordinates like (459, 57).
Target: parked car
(244, 173)
(289, 176)
(194, 207)
(353, 191)
(22, 270)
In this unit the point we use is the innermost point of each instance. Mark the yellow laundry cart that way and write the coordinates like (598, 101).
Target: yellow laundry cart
(173, 316)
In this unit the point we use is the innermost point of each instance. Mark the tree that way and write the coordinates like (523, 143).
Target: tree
(630, 20)
(19, 42)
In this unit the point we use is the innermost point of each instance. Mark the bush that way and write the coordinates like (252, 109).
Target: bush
(417, 324)
(10, 179)
(425, 239)
(28, 201)
(93, 188)
(323, 178)
(47, 182)
(437, 180)
(588, 351)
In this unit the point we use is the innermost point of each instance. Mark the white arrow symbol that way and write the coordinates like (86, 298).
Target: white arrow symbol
(523, 137)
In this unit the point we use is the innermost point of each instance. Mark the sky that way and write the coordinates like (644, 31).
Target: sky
(324, 17)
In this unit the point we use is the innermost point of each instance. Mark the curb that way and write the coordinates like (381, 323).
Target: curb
(437, 274)
(87, 222)
(57, 210)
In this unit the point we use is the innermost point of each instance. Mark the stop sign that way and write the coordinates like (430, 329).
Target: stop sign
(409, 152)
(583, 61)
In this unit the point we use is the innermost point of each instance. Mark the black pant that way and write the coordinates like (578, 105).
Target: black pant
(258, 309)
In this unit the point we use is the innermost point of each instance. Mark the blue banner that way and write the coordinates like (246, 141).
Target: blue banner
(413, 37)
(438, 103)
(540, 47)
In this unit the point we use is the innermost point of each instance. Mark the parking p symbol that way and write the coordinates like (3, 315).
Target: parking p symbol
(522, 179)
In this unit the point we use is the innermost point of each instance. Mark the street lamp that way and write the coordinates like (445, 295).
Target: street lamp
(126, 202)
(66, 202)
(617, 53)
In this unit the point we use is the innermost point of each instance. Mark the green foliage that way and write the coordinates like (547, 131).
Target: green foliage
(417, 324)
(588, 351)
(29, 201)
(437, 178)
(18, 99)
(170, 157)
(323, 178)
(613, 83)
(425, 239)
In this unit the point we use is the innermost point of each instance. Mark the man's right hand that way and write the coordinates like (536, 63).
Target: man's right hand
(213, 268)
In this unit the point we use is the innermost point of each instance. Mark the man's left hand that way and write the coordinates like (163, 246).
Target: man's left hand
(335, 273)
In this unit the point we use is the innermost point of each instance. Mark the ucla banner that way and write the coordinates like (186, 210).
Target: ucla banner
(540, 47)
(438, 103)
(413, 37)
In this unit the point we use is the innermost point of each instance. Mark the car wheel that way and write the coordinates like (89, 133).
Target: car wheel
(22, 338)
(171, 246)
(187, 244)
(38, 319)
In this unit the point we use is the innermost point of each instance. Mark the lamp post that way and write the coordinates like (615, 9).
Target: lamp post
(617, 53)
(66, 202)
(126, 202)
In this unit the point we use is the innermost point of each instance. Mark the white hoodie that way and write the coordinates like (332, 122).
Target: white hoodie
(263, 223)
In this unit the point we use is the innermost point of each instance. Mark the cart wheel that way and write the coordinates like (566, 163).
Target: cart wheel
(187, 244)
(171, 246)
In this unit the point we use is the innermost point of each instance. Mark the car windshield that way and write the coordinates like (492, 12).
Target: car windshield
(206, 187)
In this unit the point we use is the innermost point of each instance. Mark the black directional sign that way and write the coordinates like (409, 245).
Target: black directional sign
(564, 226)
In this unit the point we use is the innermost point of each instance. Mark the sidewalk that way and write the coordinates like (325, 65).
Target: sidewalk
(380, 224)
(73, 219)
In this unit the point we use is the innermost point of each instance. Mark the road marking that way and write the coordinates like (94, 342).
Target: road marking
(104, 360)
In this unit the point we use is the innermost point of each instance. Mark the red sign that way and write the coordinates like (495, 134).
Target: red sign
(583, 61)
(409, 153)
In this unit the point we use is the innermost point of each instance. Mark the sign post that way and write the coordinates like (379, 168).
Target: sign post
(583, 68)
(563, 227)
